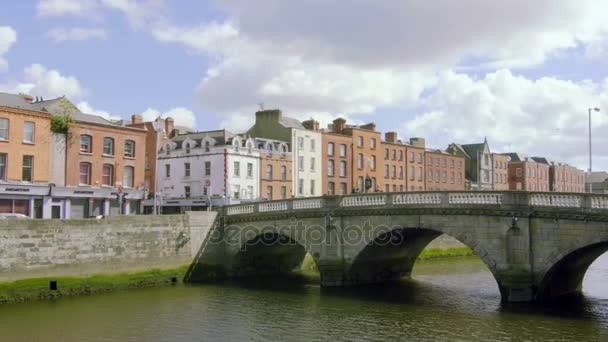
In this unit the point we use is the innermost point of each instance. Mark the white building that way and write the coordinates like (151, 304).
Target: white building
(217, 165)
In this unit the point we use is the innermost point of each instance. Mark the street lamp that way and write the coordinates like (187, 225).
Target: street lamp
(590, 163)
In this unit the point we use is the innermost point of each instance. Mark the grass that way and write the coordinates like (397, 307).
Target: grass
(438, 253)
(39, 288)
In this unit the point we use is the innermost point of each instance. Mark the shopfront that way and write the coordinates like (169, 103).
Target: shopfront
(28, 200)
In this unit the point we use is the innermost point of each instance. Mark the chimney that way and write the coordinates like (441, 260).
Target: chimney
(27, 97)
(370, 126)
(338, 126)
(169, 127)
(390, 137)
(417, 142)
(136, 118)
(311, 124)
(268, 116)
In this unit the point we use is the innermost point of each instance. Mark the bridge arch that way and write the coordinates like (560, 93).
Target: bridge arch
(392, 254)
(567, 270)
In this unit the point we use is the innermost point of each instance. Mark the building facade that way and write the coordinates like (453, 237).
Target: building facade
(337, 164)
(500, 177)
(527, 174)
(478, 161)
(394, 175)
(276, 169)
(566, 178)
(445, 171)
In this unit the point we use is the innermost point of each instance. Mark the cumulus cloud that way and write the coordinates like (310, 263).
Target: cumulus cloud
(8, 37)
(49, 83)
(546, 116)
(49, 8)
(86, 108)
(76, 34)
(182, 116)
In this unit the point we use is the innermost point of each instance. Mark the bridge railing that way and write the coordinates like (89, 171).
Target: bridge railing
(510, 199)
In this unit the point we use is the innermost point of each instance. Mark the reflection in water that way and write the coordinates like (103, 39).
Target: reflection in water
(447, 300)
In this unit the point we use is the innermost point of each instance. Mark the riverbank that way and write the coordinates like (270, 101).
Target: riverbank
(56, 287)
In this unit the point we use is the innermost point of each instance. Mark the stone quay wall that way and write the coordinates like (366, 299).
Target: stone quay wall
(47, 248)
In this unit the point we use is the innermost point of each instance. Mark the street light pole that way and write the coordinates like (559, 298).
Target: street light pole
(156, 128)
(590, 155)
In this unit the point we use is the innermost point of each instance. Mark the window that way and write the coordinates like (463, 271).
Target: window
(28, 168)
(400, 172)
(330, 149)
(300, 186)
(108, 146)
(452, 163)
(445, 162)
(301, 143)
(187, 191)
(486, 160)
(420, 173)
(445, 176)
(313, 145)
(360, 184)
(207, 168)
(85, 173)
(360, 161)
(452, 178)
(342, 168)
(459, 178)
(250, 170)
(186, 169)
(3, 129)
(167, 170)
(269, 192)
(387, 171)
(372, 143)
(107, 175)
(437, 161)
(412, 173)
(28, 131)
(237, 169)
(518, 172)
(437, 177)
(236, 191)
(386, 153)
(249, 191)
(459, 164)
(373, 163)
(207, 146)
(167, 149)
(387, 188)
(85, 144)
(360, 141)
(187, 148)
(400, 155)
(330, 168)
(430, 175)
(373, 188)
(343, 150)
(301, 163)
(283, 173)
(3, 160)
(412, 157)
(127, 177)
(269, 171)
(331, 188)
(130, 149)
(343, 189)
(394, 171)
(312, 164)
(394, 152)
(283, 192)
(420, 158)
(312, 187)
(430, 160)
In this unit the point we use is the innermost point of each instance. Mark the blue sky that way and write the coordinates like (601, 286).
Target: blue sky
(523, 74)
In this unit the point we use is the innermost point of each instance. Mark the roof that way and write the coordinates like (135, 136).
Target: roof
(288, 122)
(541, 160)
(15, 101)
(462, 149)
(63, 106)
(597, 177)
(473, 149)
(221, 137)
(516, 157)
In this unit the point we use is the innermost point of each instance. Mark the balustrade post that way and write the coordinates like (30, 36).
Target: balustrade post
(586, 201)
(445, 199)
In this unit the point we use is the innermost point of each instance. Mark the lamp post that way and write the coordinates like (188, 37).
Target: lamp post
(590, 158)
(157, 128)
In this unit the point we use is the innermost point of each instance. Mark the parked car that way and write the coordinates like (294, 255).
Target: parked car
(5, 216)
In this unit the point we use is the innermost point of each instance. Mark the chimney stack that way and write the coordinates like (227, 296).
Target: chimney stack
(136, 118)
(311, 124)
(169, 127)
(390, 137)
(27, 97)
(338, 126)
(417, 142)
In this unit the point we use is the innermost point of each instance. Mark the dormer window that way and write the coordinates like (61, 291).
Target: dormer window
(207, 144)
(167, 149)
(187, 148)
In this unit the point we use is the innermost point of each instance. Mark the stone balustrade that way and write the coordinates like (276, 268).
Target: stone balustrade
(314, 203)
(417, 198)
(599, 202)
(475, 198)
(555, 200)
(241, 209)
(272, 206)
(362, 201)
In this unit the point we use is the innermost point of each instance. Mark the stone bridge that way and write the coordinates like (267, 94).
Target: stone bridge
(537, 245)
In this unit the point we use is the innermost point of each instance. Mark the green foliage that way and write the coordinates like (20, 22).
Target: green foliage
(436, 253)
(61, 123)
(36, 289)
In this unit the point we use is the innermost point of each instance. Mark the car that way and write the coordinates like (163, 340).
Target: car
(5, 216)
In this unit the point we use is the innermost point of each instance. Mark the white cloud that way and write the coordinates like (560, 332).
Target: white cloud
(8, 37)
(83, 8)
(546, 117)
(86, 108)
(76, 33)
(182, 116)
(138, 12)
(48, 83)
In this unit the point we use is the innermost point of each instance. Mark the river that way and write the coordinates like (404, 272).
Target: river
(449, 300)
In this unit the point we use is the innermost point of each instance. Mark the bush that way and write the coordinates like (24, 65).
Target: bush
(61, 123)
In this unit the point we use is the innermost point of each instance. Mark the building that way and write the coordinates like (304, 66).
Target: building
(25, 135)
(528, 174)
(416, 165)
(500, 175)
(598, 181)
(217, 167)
(337, 163)
(394, 178)
(478, 161)
(445, 171)
(103, 163)
(276, 169)
(305, 148)
(566, 178)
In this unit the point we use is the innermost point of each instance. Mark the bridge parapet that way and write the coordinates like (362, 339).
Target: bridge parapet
(490, 199)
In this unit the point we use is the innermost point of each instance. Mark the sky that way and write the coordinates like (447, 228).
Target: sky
(521, 73)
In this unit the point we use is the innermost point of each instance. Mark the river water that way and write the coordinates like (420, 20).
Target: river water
(450, 300)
